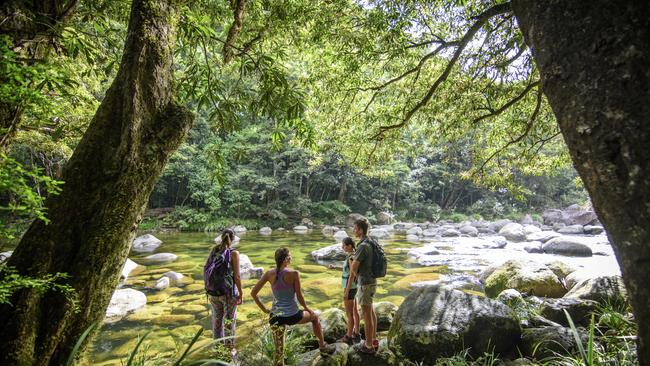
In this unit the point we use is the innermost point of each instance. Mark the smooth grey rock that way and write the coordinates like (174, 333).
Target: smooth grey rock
(529, 229)
(412, 238)
(329, 253)
(129, 266)
(246, 268)
(513, 232)
(542, 236)
(572, 230)
(300, 229)
(568, 246)
(415, 230)
(239, 229)
(498, 225)
(334, 324)
(329, 230)
(469, 230)
(534, 247)
(217, 240)
(123, 302)
(593, 229)
(351, 218)
(448, 233)
(145, 243)
(429, 249)
(385, 217)
(266, 230)
(340, 235)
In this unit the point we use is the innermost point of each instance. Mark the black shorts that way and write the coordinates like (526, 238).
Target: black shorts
(352, 293)
(286, 320)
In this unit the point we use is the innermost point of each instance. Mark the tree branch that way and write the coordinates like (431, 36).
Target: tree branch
(238, 7)
(514, 100)
(480, 21)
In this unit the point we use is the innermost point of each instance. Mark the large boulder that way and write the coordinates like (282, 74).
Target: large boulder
(334, 324)
(513, 232)
(605, 290)
(246, 268)
(123, 302)
(385, 312)
(567, 245)
(240, 229)
(498, 225)
(145, 243)
(340, 235)
(266, 230)
(469, 230)
(351, 218)
(385, 217)
(378, 233)
(5, 255)
(434, 321)
(525, 276)
(329, 253)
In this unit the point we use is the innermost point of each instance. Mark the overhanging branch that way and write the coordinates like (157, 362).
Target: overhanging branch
(471, 32)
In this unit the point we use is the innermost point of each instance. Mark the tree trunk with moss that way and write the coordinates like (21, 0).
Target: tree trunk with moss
(107, 183)
(594, 59)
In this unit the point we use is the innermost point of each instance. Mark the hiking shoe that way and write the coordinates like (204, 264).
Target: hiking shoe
(361, 347)
(356, 338)
(346, 339)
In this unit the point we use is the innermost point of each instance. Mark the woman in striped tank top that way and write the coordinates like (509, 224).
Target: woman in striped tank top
(285, 284)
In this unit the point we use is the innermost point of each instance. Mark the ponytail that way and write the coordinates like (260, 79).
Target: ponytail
(280, 255)
(227, 238)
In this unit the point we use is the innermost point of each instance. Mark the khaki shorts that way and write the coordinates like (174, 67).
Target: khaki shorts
(365, 293)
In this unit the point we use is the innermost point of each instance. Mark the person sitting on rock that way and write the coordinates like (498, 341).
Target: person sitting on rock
(285, 285)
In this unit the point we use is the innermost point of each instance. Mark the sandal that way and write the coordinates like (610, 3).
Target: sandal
(346, 339)
(361, 347)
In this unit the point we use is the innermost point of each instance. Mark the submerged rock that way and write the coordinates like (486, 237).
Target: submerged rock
(161, 258)
(300, 229)
(435, 322)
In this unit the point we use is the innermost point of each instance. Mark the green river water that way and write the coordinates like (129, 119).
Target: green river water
(174, 315)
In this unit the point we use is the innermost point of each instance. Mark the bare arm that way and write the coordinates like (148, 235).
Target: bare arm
(236, 275)
(351, 279)
(297, 288)
(256, 289)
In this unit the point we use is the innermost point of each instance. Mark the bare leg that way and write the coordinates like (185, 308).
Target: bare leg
(278, 343)
(367, 313)
(315, 325)
(374, 323)
(355, 316)
(349, 312)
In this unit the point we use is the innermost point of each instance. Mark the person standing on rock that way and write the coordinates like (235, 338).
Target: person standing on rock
(361, 269)
(287, 293)
(349, 294)
(223, 286)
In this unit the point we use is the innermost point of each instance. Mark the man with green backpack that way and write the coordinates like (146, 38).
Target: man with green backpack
(369, 264)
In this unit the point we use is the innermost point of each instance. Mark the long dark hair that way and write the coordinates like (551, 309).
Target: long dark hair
(227, 238)
(348, 241)
(280, 255)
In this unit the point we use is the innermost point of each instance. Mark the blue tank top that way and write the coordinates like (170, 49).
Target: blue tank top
(284, 297)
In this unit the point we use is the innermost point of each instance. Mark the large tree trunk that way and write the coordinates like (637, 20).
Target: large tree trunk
(31, 26)
(594, 59)
(107, 183)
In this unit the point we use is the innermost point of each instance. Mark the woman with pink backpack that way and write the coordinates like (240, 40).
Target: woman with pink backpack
(223, 287)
